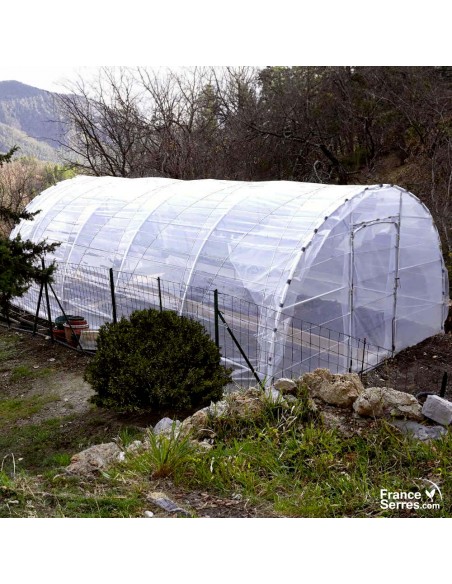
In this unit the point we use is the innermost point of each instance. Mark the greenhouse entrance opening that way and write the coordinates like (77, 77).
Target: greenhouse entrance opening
(374, 281)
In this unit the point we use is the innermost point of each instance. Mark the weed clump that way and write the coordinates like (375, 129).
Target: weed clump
(156, 361)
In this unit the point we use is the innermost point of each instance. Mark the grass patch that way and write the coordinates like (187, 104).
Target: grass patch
(23, 372)
(39, 446)
(127, 435)
(279, 460)
(32, 443)
(58, 459)
(314, 472)
(100, 506)
(301, 471)
(7, 347)
(286, 462)
(20, 408)
(62, 496)
(50, 443)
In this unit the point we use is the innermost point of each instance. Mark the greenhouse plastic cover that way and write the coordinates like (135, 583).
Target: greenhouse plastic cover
(362, 261)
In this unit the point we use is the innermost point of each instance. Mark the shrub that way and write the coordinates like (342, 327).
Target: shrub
(156, 361)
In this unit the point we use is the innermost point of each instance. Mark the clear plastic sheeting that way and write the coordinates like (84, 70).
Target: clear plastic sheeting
(356, 262)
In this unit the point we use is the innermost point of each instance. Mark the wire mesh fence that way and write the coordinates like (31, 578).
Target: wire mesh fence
(259, 343)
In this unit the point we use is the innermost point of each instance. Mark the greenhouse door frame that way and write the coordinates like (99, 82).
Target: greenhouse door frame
(355, 228)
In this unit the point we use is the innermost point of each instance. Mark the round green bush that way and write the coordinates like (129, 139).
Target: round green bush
(156, 361)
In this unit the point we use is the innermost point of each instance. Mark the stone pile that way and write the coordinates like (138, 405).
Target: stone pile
(402, 409)
(340, 401)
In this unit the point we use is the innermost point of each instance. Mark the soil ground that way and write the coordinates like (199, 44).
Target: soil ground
(417, 369)
(46, 415)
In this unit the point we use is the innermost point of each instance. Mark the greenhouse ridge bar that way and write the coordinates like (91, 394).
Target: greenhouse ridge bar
(359, 261)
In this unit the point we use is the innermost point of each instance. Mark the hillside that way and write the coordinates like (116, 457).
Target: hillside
(28, 118)
(28, 146)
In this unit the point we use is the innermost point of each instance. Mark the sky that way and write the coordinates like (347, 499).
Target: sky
(46, 45)
(49, 78)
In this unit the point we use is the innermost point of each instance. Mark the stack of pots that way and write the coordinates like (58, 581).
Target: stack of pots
(58, 331)
(73, 327)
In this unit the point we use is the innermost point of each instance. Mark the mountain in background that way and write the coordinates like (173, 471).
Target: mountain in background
(29, 119)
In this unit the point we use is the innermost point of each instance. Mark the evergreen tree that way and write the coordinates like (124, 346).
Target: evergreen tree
(20, 263)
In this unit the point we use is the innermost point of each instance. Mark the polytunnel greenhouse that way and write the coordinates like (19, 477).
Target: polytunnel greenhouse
(308, 275)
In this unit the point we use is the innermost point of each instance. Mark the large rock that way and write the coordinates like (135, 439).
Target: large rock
(273, 396)
(167, 426)
(197, 425)
(285, 385)
(335, 421)
(135, 446)
(378, 402)
(217, 409)
(419, 431)
(165, 503)
(94, 459)
(338, 390)
(247, 404)
(438, 409)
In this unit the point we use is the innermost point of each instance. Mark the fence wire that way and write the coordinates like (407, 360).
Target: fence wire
(248, 338)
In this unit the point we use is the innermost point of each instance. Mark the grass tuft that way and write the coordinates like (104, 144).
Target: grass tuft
(165, 456)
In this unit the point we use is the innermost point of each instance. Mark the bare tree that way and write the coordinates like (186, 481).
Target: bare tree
(20, 181)
(192, 112)
(315, 124)
(106, 133)
(420, 100)
(176, 123)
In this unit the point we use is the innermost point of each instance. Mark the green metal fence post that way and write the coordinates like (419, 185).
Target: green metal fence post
(113, 297)
(35, 324)
(160, 293)
(362, 361)
(242, 352)
(46, 291)
(216, 315)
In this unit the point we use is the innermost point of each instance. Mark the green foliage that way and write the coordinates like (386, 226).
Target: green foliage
(287, 466)
(59, 459)
(7, 351)
(54, 173)
(155, 361)
(19, 259)
(5, 158)
(297, 470)
(127, 435)
(38, 443)
(246, 421)
(6, 483)
(18, 267)
(14, 409)
(98, 507)
(165, 455)
(23, 372)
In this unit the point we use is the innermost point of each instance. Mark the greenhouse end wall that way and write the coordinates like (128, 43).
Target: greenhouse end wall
(361, 262)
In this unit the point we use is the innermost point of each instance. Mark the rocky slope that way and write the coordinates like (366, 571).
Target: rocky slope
(29, 119)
